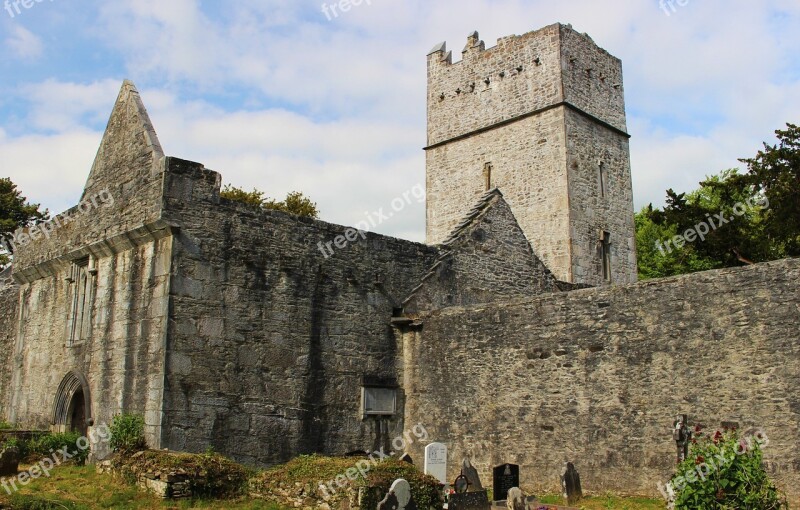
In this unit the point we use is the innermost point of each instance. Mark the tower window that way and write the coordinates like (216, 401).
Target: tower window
(603, 178)
(606, 256)
(487, 175)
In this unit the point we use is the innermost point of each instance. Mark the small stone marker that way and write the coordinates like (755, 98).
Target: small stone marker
(571, 483)
(436, 461)
(399, 497)
(478, 500)
(515, 499)
(406, 458)
(9, 461)
(504, 477)
(472, 475)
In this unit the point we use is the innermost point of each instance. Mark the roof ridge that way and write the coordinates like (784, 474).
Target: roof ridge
(472, 215)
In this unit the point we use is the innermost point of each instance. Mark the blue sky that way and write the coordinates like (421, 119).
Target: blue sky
(277, 96)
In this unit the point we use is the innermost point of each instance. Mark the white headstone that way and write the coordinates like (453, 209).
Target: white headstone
(436, 461)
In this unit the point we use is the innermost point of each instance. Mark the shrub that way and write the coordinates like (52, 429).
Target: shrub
(127, 433)
(724, 470)
(49, 444)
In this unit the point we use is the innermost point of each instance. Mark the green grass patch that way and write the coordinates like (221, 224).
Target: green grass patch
(608, 502)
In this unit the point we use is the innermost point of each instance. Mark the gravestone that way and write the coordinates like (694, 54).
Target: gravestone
(504, 477)
(472, 475)
(571, 483)
(399, 497)
(461, 485)
(515, 499)
(436, 461)
(477, 500)
(9, 461)
(406, 458)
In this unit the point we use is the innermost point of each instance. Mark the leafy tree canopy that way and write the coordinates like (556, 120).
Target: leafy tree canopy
(732, 219)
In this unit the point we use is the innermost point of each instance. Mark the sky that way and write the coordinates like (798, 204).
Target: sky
(279, 96)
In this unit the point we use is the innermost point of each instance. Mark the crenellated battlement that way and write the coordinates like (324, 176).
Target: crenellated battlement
(518, 76)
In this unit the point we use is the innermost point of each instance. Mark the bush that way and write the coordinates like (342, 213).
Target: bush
(127, 433)
(724, 470)
(48, 445)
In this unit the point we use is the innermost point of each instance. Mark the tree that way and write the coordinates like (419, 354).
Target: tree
(730, 220)
(15, 212)
(775, 172)
(295, 202)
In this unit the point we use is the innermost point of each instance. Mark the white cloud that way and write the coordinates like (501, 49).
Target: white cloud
(23, 43)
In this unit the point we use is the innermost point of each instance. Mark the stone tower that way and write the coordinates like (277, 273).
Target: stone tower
(540, 116)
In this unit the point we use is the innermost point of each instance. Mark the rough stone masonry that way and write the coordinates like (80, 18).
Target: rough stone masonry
(225, 326)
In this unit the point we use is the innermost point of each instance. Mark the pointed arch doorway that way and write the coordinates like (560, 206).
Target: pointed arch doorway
(72, 409)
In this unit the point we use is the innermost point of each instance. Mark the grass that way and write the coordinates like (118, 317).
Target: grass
(81, 488)
(609, 502)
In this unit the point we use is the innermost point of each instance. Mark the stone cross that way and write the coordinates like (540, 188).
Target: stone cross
(682, 434)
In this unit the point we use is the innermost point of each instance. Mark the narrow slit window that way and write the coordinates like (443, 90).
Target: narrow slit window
(603, 178)
(606, 256)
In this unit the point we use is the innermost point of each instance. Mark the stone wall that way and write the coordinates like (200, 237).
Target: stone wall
(9, 296)
(596, 376)
(270, 341)
(527, 171)
(594, 207)
(592, 78)
(123, 358)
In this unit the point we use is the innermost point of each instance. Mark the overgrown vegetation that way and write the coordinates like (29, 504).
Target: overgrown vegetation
(82, 488)
(294, 203)
(309, 471)
(212, 475)
(724, 471)
(4, 425)
(127, 433)
(45, 445)
(743, 217)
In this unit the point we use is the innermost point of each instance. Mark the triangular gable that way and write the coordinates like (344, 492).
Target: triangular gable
(487, 258)
(130, 149)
